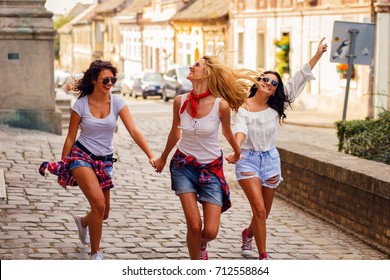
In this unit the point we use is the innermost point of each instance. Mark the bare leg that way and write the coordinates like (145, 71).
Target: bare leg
(194, 224)
(212, 217)
(89, 185)
(253, 191)
(268, 196)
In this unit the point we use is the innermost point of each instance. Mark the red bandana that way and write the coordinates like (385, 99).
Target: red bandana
(192, 99)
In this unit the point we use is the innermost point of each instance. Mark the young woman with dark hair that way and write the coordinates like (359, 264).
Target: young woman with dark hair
(88, 161)
(255, 127)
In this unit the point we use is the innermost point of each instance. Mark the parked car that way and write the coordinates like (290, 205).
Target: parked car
(148, 84)
(116, 88)
(127, 85)
(176, 82)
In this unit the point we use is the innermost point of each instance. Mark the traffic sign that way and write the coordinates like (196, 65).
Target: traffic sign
(341, 42)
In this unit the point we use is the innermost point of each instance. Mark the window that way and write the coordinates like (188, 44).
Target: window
(99, 33)
(220, 48)
(286, 3)
(261, 4)
(241, 5)
(240, 59)
(210, 48)
(260, 48)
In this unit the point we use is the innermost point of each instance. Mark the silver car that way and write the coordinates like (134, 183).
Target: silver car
(176, 82)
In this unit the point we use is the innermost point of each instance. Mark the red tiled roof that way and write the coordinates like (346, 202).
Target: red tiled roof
(203, 10)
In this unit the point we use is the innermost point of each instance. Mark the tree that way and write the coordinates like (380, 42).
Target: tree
(57, 24)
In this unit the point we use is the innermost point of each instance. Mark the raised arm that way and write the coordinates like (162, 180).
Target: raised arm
(320, 51)
(294, 87)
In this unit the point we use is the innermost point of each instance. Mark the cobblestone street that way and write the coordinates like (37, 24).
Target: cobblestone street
(146, 220)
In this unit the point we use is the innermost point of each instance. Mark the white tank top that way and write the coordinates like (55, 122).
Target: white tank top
(199, 137)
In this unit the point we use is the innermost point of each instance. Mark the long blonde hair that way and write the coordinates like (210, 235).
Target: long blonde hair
(228, 83)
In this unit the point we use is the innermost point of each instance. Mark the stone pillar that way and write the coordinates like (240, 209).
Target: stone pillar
(382, 57)
(27, 66)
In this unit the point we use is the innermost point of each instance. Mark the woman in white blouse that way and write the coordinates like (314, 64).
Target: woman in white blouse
(255, 126)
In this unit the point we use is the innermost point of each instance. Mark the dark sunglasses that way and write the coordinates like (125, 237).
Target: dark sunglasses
(266, 80)
(197, 64)
(106, 80)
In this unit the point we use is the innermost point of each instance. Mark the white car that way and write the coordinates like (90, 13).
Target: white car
(127, 85)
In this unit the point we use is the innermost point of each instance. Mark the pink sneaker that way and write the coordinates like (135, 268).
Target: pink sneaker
(246, 243)
(203, 252)
(263, 256)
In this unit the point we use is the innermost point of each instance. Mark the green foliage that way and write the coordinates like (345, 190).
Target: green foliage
(282, 55)
(57, 24)
(61, 21)
(368, 139)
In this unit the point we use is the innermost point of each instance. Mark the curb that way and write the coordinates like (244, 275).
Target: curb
(311, 124)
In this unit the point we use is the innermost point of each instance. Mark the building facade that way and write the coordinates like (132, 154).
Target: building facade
(280, 35)
(283, 35)
(201, 28)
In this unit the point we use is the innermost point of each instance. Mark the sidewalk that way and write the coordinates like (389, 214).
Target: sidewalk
(311, 119)
(146, 220)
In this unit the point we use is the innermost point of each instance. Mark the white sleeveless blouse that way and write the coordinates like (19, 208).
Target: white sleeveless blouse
(199, 137)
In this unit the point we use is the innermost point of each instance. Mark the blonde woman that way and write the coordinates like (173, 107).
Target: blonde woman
(196, 167)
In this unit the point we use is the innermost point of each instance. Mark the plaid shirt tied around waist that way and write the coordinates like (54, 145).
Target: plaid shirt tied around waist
(61, 169)
(215, 167)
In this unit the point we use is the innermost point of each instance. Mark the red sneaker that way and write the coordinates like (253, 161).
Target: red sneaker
(263, 256)
(203, 252)
(246, 243)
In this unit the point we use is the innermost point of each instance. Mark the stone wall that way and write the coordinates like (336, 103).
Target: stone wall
(352, 193)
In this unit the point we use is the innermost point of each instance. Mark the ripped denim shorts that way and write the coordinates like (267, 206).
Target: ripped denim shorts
(258, 164)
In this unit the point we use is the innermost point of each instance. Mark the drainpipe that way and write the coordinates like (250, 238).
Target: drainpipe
(141, 25)
(170, 22)
(371, 74)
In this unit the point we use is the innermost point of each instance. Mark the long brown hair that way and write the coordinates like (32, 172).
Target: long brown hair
(84, 86)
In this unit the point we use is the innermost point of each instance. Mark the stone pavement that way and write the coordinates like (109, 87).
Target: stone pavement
(146, 220)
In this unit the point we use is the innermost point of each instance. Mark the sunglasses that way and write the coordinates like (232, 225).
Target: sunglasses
(197, 64)
(106, 80)
(266, 80)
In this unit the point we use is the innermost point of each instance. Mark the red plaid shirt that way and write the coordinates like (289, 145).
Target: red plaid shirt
(61, 169)
(215, 167)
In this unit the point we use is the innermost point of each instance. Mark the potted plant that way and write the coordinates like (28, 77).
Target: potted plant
(342, 69)
(282, 55)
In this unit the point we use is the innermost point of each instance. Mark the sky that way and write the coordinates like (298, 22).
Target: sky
(63, 6)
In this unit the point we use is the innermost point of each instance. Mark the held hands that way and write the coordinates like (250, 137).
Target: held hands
(151, 161)
(159, 164)
(233, 158)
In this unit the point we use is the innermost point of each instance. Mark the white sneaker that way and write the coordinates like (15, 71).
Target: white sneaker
(97, 256)
(83, 231)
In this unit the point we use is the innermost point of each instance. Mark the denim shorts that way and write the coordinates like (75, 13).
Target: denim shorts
(185, 179)
(81, 163)
(262, 165)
